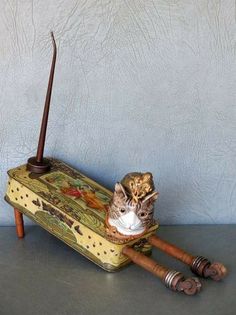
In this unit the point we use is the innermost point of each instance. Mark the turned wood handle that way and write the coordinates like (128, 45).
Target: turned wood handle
(171, 250)
(172, 279)
(19, 223)
(199, 265)
(146, 262)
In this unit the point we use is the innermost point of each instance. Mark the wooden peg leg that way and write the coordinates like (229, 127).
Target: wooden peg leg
(19, 223)
(198, 264)
(172, 279)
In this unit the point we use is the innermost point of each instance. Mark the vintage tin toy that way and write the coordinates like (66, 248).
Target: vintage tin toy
(110, 229)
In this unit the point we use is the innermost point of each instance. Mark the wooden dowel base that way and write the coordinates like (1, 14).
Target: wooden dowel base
(172, 279)
(19, 223)
(201, 266)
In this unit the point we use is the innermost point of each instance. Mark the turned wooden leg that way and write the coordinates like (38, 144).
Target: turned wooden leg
(198, 264)
(172, 279)
(19, 223)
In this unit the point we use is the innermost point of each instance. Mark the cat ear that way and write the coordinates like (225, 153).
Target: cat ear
(120, 191)
(151, 198)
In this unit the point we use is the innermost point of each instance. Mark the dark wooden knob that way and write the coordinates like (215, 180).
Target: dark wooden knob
(177, 282)
(201, 266)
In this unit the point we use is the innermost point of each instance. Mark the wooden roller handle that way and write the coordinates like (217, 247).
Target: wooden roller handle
(172, 279)
(146, 262)
(171, 250)
(19, 223)
(199, 265)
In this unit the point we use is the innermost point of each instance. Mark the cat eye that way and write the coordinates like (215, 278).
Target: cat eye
(122, 210)
(142, 214)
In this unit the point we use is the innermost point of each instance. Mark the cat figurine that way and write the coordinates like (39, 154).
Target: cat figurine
(130, 215)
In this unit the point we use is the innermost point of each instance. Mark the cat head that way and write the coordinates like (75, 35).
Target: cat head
(128, 217)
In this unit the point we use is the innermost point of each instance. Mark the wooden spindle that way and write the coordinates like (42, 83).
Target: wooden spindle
(172, 279)
(19, 223)
(39, 164)
(198, 264)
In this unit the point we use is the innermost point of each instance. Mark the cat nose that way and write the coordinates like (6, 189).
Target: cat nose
(131, 220)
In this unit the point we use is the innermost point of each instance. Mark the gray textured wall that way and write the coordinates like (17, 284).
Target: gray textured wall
(139, 85)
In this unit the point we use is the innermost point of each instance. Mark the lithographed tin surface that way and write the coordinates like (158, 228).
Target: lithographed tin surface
(72, 207)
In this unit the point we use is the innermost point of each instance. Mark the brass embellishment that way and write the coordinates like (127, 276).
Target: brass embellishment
(138, 185)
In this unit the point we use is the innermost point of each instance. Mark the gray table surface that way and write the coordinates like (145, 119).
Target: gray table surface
(41, 275)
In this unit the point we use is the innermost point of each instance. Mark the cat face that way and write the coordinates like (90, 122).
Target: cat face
(130, 218)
